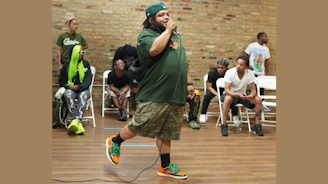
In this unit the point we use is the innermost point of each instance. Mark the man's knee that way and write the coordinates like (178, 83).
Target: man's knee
(258, 100)
(228, 99)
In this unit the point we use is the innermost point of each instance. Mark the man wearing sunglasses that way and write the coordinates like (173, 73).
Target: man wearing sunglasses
(76, 77)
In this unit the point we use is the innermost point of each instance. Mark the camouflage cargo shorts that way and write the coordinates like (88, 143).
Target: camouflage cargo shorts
(149, 120)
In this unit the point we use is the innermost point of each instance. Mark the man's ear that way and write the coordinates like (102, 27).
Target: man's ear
(149, 20)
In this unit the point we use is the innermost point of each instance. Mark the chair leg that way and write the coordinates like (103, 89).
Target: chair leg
(248, 122)
(128, 109)
(92, 112)
(218, 121)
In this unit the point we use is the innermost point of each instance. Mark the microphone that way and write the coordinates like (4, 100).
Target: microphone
(177, 32)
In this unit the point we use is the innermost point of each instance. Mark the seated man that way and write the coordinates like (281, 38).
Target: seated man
(119, 81)
(193, 110)
(129, 55)
(211, 89)
(236, 81)
(76, 77)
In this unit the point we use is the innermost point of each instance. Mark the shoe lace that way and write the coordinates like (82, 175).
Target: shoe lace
(115, 149)
(173, 168)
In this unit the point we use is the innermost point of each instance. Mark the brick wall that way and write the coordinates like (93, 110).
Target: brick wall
(210, 29)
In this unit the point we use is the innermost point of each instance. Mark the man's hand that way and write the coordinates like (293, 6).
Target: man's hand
(191, 91)
(59, 67)
(170, 25)
(243, 96)
(250, 97)
(120, 95)
(73, 88)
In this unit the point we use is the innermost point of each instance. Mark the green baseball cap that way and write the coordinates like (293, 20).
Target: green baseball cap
(154, 8)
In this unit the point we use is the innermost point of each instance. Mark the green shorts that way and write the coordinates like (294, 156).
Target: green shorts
(149, 120)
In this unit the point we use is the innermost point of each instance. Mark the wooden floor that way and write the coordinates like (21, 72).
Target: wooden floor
(203, 154)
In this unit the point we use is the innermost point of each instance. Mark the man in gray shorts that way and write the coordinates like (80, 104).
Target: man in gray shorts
(160, 103)
(119, 81)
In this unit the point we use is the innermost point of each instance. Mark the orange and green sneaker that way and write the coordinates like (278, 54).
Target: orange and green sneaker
(171, 171)
(112, 150)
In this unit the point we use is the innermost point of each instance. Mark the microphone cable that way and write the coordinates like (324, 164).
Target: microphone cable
(165, 130)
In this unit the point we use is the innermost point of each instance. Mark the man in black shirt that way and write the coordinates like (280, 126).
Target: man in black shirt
(119, 81)
(211, 89)
(129, 55)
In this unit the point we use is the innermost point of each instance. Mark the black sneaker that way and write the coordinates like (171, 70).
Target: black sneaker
(258, 130)
(224, 130)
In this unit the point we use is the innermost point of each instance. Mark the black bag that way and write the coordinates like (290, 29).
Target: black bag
(137, 72)
(55, 111)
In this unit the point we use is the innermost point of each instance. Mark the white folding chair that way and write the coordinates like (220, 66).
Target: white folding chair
(220, 83)
(209, 113)
(90, 101)
(89, 104)
(268, 83)
(105, 95)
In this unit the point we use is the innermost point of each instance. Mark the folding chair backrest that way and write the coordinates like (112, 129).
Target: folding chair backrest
(267, 83)
(220, 83)
(205, 79)
(105, 76)
(264, 77)
(93, 72)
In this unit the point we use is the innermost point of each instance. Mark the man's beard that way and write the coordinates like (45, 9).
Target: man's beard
(159, 27)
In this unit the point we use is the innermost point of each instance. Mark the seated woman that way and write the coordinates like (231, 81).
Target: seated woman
(76, 77)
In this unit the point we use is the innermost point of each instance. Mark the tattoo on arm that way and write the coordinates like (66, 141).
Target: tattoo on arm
(258, 114)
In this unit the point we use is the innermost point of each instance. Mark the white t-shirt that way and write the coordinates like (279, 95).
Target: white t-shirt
(237, 85)
(257, 55)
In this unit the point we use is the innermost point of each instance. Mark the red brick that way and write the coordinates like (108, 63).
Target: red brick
(211, 14)
(140, 9)
(227, 18)
(185, 0)
(90, 7)
(229, 15)
(57, 5)
(186, 8)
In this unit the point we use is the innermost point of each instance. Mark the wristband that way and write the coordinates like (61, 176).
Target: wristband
(190, 84)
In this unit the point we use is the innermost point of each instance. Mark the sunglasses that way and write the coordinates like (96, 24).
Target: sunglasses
(82, 52)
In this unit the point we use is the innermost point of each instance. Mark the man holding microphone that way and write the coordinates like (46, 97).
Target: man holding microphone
(162, 91)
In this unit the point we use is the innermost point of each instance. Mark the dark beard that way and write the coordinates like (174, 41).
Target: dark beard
(159, 27)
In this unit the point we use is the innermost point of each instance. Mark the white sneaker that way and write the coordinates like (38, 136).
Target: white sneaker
(235, 120)
(202, 118)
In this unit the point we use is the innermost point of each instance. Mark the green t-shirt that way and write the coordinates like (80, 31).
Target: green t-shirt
(159, 83)
(66, 41)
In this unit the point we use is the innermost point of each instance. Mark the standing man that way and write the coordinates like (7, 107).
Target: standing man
(236, 81)
(211, 90)
(259, 55)
(162, 91)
